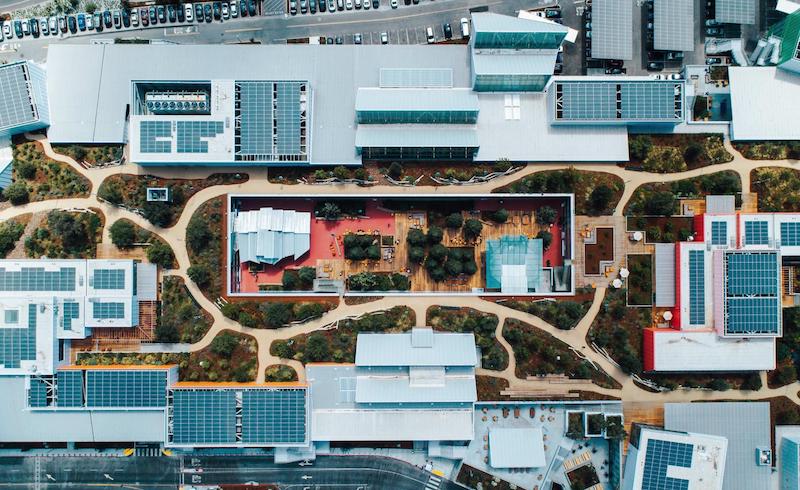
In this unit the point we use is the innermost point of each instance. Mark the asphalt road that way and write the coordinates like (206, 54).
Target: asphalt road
(331, 473)
(403, 25)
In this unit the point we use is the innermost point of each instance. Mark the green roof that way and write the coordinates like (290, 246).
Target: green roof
(790, 37)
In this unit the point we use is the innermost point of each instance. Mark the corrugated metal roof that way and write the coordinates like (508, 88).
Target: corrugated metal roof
(416, 78)
(491, 22)
(524, 62)
(515, 447)
(416, 136)
(673, 25)
(405, 424)
(6, 158)
(704, 351)
(765, 102)
(400, 388)
(146, 282)
(665, 275)
(735, 11)
(612, 29)
(448, 349)
(746, 425)
(416, 99)
(720, 204)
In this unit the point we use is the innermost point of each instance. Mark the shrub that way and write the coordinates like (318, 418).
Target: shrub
(307, 311)
(500, 216)
(167, 333)
(341, 172)
(547, 238)
(752, 383)
(361, 174)
(282, 349)
(24, 169)
(330, 211)
(693, 152)
(123, 233)
(640, 147)
(317, 348)
(374, 252)
(416, 237)
(110, 191)
(198, 234)
(10, 232)
(277, 314)
(454, 221)
(546, 215)
(160, 253)
(355, 253)
(438, 252)
(395, 171)
(453, 267)
(435, 235)
(470, 267)
(472, 228)
(600, 198)
(719, 384)
(158, 213)
(502, 165)
(290, 281)
(660, 204)
(401, 282)
(416, 254)
(224, 344)
(199, 274)
(307, 275)
(437, 274)
(17, 193)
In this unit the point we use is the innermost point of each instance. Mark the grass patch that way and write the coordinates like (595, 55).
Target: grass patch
(339, 345)
(489, 388)
(661, 199)
(280, 373)
(38, 178)
(468, 320)
(769, 150)
(667, 153)
(539, 353)
(778, 189)
(91, 154)
(130, 192)
(618, 330)
(66, 235)
(640, 281)
(204, 245)
(180, 317)
(596, 193)
(562, 314)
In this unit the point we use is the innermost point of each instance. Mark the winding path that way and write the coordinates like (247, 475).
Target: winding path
(258, 183)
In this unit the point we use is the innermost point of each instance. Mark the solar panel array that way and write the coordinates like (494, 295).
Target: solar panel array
(150, 131)
(735, 11)
(108, 310)
(18, 344)
(109, 279)
(609, 100)
(719, 233)
(274, 416)
(673, 25)
(756, 233)
(790, 234)
(70, 311)
(37, 279)
(191, 134)
(752, 293)
(697, 287)
(255, 133)
(16, 107)
(612, 30)
(37, 393)
(661, 455)
(287, 115)
(126, 389)
(70, 389)
(204, 417)
(271, 120)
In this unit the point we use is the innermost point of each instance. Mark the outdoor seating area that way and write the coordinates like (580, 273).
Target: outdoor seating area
(374, 240)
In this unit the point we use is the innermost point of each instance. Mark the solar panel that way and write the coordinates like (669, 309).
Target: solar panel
(16, 105)
(611, 100)
(191, 135)
(751, 316)
(673, 25)
(204, 417)
(126, 389)
(37, 393)
(756, 233)
(274, 416)
(109, 279)
(287, 116)
(719, 233)
(735, 11)
(255, 105)
(612, 29)
(155, 136)
(697, 285)
(751, 274)
(790, 234)
(752, 294)
(18, 344)
(69, 388)
(108, 310)
(37, 279)
(272, 123)
(661, 455)
(70, 311)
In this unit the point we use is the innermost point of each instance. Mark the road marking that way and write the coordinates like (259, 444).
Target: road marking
(108, 476)
(242, 30)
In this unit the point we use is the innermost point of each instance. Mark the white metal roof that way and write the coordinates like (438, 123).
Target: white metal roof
(676, 350)
(765, 102)
(146, 282)
(416, 385)
(404, 424)
(416, 99)
(612, 29)
(512, 447)
(447, 349)
(665, 274)
(269, 235)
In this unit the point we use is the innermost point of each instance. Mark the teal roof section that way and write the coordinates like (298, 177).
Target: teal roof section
(513, 62)
(514, 264)
(429, 136)
(497, 31)
(790, 38)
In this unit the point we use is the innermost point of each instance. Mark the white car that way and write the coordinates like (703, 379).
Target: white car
(367, 4)
(234, 10)
(225, 13)
(53, 25)
(135, 18)
(43, 27)
(7, 30)
(89, 22)
(464, 27)
(429, 35)
(393, 3)
(384, 38)
(348, 4)
(188, 10)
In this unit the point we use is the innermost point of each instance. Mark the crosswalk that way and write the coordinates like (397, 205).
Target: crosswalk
(433, 482)
(148, 451)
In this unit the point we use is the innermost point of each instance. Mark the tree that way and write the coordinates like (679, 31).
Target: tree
(123, 233)
(416, 254)
(25, 169)
(416, 237)
(453, 267)
(158, 213)
(17, 193)
(330, 211)
(693, 152)
(306, 311)
(395, 171)
(355, 253)
(10, 232)
(277, 314)
(198, 234)
(600, 198)
(290, 280)
(546, 215)
(167, 332)
(282, 349)
(199, 274)
(224, 344)
(719, 384)
(307, 275)
(435, 235)
(317, 348)
(160, 253)
(72, 232)
(341, 172)
(660, 204)
(374, 252)
(454, 221)
(640, 147)
(401, 282)
(752, 382)
(472, 228)
(438, 252)
(437, 274)
(500, 216)
(470, 267)
(90, 7)
(546, 237)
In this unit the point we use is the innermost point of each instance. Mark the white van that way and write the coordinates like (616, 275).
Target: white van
(464, 27)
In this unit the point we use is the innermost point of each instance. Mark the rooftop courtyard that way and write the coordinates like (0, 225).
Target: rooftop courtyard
(477, 244)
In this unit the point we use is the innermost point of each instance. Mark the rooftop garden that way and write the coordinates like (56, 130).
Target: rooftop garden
(339, 344)
(66, 235)
(769, 150)
(618, 329)
(787, 350)
(38, 178)
(280, 373)
(11, 231)
(180, 317)
(275, 314)
(563, 314)
(640, 281)
(92, 155)
(538, 353)
(661, 199)
(468, 320)
(125, 235)
(596, 193)
(204, 238)
(130, 192)
(778, 189)
(667, 153)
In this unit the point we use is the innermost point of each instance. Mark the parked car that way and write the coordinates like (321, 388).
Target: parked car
(448, 31)
(464, 27)
(357, 4)
(376, 4)
(145, 18)
(655, 66)
(181, 13)
(162, 14)
(98, 21)
(188, 12)
(675, 76)
(328, 40)
(225, 13)
(171, 13)
(153, 16)
(43, 27)
(429, 35)
(52, 23)
(293, 7)
(713, 61)
(367, 4)
(62, 24)
(393, 3)
(712, 23)
(713, 31)
(198, 11)
(614, 63)
(304, 6)
(348, 4)
(234, 8)
(7, 30)
(357, 38)
(72, 24)
(339, 4)
(117, 19)
(217, 11)
(613, 71)
(107, 20)
(135, 18)
(553, 13)
(558, 68)
(243, 7)
(207, 12)
(251, 8)
(339, 40)
(18, 28)
(34, 27)
(26, 28)
(126, 18)
(384, 38)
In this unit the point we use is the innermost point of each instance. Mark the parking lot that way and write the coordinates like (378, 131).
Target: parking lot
(404, 35)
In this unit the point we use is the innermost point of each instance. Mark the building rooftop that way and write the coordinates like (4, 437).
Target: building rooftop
(489, 22)
(705, 351)
(20, 105)
(765, 102)
(752, 293)
(422, 347)
(673, 25)
(735, 11)
(270, 235)
(516, 447)
(745, 425)
(612, 30)
(513, 264)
